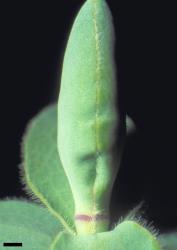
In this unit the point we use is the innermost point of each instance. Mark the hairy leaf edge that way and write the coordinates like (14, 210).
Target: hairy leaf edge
(28, 186)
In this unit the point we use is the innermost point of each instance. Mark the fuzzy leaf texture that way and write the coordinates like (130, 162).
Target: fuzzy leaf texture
(27, 223)
(128, 235)
(87, 116)
(43, 172)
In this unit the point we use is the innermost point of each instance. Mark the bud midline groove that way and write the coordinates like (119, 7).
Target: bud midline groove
(88, 218)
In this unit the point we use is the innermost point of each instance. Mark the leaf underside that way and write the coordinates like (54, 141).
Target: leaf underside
(27, 223)
(126, 236)
(42, 171)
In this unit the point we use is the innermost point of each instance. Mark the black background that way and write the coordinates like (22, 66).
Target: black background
(33, 38)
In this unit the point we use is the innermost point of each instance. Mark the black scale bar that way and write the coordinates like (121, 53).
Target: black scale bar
(12, 244)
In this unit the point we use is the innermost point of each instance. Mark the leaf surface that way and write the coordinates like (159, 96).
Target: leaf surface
(126, 236)
(27, 223)
(89, 121)
(43, 172)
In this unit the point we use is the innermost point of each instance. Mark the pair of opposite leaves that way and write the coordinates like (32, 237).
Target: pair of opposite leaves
(81, 180)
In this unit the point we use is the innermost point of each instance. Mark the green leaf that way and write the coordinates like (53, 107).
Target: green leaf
(169, 241)
(43, 172)
(27, 223)
(128, 235)
(87, 115)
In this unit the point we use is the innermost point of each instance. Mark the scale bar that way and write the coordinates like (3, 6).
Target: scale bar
(12, 244)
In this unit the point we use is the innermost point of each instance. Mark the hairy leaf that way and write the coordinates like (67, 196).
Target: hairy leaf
(27, 223)
(43, 171)
(126, 236)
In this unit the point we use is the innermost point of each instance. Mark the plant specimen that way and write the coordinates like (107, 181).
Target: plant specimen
(69, 151)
